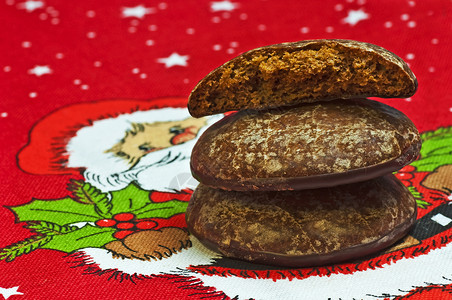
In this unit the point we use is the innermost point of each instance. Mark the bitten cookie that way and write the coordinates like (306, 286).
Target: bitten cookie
(302, 228)
(308, 146)
(302, 72)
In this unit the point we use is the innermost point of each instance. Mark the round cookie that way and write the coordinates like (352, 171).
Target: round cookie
(302, 72)
(304, 147)
(302, 228)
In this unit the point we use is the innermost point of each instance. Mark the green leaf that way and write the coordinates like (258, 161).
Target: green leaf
(439, 132)
(62, 211)
(161, 210)
(87, 236)
(51, 218)
(48, 228)
(135, 200)
(431, 163)
(129, 199)
(85, 193)
(422, 203)
(24, 247)
(436, 150)
(419, 197)
(415, 192)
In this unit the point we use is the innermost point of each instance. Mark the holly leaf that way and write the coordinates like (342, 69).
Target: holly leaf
(135, 200)
(129, 199)
(56, 237)
(23, 247)
(87, 236)
(62, 211)
(47, 228)
(85, 193)
(161, 210)
(436, 150)
(51, 218)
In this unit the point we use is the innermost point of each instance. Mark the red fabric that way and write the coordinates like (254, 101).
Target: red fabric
(95, 54)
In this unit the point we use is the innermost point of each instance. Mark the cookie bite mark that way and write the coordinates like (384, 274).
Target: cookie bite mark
(302, 72)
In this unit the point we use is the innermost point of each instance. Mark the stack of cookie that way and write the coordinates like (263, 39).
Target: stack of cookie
(301, 175)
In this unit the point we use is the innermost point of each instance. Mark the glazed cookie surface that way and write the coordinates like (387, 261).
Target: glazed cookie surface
(302, 228)
(308, 146)
(302, 72)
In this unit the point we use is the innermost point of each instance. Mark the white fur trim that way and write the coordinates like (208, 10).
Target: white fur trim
(396, 279)
(195, 255)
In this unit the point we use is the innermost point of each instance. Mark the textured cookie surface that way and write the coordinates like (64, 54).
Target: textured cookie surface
(308, 146)
(302, 72)
(302, 228)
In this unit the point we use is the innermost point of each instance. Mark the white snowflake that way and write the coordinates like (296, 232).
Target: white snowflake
(6, 293)
(174, 60)
(354, 16)
(31, 5)
(40, 70)
(138, 11)
(223, 5)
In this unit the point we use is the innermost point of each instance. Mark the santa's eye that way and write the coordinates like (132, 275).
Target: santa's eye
(145, 147)
(120, 153)
(176, 129)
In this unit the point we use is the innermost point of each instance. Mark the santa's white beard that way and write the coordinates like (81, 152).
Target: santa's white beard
(166, 170)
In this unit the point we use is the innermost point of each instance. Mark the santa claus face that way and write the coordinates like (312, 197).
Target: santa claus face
(151, 148)
(144, 138)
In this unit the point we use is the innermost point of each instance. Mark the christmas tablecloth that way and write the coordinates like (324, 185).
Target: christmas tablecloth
(84, 215)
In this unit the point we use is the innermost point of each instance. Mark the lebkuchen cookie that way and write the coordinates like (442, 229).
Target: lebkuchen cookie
(308, 146)
(302, 228)
(302, 72)
(301, 175)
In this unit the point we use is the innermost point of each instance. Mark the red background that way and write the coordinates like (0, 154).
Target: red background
(95, 53)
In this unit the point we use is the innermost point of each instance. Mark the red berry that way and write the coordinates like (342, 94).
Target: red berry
(122, 234)
(407, 169)
(106, 223)
(124, 217)
(405, 182)
(125, 225)
(146, 224)
(404, 176)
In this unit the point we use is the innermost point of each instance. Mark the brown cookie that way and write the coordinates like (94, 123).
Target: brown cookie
(308, 146)
(302, 72)
(302, 228)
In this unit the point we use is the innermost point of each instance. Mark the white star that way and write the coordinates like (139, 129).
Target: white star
(138, 11)
(354, 16)
(6, 293)
(31, 5)
(40, 70)
(223, 5)
(174, 60)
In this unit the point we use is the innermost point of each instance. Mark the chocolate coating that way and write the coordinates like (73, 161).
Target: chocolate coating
(308, 146)
(302, 72)
(302, 228)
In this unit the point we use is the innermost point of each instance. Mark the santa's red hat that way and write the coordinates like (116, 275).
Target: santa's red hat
(46, 152)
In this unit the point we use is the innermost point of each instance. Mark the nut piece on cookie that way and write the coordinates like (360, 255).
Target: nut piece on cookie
(302, 72)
